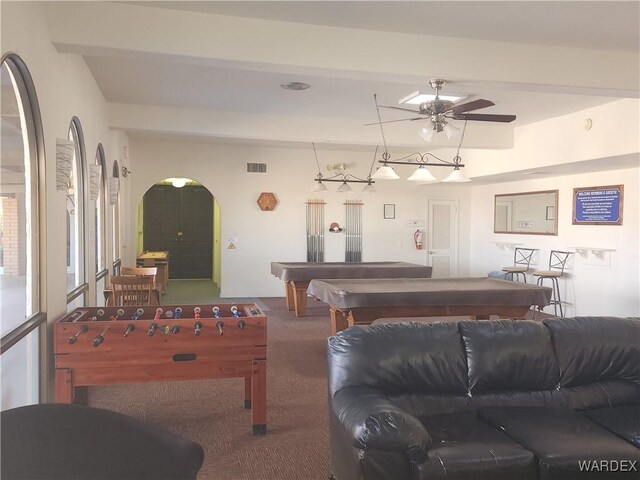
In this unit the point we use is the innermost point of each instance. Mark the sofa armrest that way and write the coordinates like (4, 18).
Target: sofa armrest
(372, 420)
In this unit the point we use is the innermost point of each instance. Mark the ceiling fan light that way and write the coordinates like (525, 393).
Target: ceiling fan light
(385, 173)
(451, 130)
(456, 176)
(428, 132)
(319, 187)
(422, 174)
(345, 187)
(369, 188)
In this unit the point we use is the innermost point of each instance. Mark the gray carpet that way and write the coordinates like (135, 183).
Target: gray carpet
(211, 412)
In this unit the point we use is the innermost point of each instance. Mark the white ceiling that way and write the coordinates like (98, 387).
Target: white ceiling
(556, 23)
(181, 70)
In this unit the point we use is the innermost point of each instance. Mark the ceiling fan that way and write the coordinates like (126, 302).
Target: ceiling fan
(438, 110)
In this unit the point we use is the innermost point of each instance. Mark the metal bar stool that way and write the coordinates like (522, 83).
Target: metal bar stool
(521, 261)
(557, 263)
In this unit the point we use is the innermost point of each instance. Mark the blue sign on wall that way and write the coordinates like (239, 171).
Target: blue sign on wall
(598, 205)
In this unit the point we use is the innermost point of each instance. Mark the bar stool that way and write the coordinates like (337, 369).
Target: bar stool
(521, 261)
(557, 263)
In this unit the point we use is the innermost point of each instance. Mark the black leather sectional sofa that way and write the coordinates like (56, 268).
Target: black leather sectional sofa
(503, 399)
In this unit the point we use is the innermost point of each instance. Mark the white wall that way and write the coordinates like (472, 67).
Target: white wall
(280, 235)
(593, 286)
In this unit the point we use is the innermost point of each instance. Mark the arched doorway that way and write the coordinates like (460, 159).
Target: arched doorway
(179, 217)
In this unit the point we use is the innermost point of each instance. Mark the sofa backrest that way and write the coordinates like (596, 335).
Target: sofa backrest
(581, 362)
(507, 355)
(593, 349)
(399, 357)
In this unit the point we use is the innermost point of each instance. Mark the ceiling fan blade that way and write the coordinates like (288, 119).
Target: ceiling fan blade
(391, 121)
(400, 108)
(485, 117)
(474, 105)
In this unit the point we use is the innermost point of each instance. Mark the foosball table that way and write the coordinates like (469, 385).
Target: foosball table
(139, 344)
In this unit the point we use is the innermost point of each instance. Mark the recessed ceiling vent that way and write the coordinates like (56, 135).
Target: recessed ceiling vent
(295, 86)
(256, 168)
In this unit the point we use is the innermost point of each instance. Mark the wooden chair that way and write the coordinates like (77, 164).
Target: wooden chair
(130, 290)
(140, 272)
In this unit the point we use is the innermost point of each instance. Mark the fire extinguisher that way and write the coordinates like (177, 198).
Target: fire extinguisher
(417, 238)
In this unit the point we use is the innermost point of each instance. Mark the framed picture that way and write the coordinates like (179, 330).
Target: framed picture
(600, 205)
(551, 212)
(389, 210)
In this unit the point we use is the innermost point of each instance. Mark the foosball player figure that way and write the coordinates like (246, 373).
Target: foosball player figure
(234, 311)
(196, 312)
(74, 339)
(216, 312)
(99, 338)
(178, 313)
(152, 329)
(130, 328)
(158, 313)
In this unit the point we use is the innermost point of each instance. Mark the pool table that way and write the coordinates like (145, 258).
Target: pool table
(361, 301)
(297, 275)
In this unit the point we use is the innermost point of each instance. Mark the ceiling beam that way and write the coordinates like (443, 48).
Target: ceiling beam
(133, 31)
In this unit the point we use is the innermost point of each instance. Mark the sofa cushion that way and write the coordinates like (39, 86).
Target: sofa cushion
(623, 421)
(596, 348)
(606, 393)
(509, 355)
(400, 357)
(561, 439)
(467, 448)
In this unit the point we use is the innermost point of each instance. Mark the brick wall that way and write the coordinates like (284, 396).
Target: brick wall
(14, 236)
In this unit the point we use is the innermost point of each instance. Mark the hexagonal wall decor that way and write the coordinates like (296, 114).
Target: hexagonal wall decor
(267, 201)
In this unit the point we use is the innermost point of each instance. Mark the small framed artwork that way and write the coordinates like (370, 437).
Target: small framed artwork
(551, 212)
(389, 210)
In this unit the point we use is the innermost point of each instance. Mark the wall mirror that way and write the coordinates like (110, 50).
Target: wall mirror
(534, 213)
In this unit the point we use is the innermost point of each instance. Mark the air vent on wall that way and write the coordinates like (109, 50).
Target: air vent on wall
(256, 168)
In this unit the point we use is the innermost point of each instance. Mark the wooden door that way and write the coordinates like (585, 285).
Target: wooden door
(180, 220)
(442, 239)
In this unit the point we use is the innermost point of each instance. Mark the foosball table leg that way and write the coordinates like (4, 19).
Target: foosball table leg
(64, 386)
(247, 392)
(259, 397)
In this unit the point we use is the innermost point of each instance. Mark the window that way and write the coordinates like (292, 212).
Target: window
(76, 282)
(100, 225)
(114, 200)
(21, 154)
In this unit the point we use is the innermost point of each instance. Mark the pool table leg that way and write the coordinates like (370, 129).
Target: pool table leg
(288, 290)
(300, 297)
(339, 320)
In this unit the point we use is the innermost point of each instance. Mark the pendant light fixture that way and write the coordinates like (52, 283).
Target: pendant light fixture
(344, 178)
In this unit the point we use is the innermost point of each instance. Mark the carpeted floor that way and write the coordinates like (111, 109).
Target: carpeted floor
(211, 412)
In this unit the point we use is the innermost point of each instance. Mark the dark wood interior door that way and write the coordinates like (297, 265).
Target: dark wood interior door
(180, 220)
